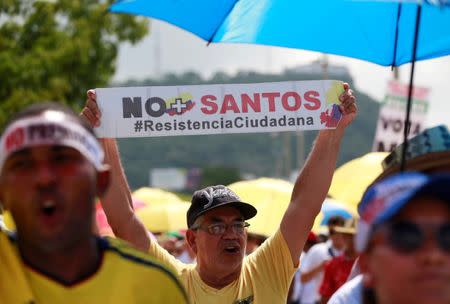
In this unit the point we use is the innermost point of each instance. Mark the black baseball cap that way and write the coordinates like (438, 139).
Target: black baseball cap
(213, 197)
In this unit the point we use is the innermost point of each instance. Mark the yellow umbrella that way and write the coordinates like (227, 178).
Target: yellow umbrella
(155, 196)
(270, 197)
(352, 178)
(159, 217)
(164, 217)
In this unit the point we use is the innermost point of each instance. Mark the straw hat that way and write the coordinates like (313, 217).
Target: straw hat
(348, 228)
(427, 151)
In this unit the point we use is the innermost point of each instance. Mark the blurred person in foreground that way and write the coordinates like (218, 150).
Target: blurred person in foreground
(428, 152)
(217, 225)
(338, 268)
(313, 264)
(51, 170)
(404, 239)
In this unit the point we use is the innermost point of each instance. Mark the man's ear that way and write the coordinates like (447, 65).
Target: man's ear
(191, 239)
(103, 179)
(2, 204)
(362, 260)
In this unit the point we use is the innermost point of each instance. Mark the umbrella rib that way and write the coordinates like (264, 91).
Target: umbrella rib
(218, 27)
(399, 9)
(410, 89)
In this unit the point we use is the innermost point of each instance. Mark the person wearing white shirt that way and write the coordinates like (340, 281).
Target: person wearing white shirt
(315, 260)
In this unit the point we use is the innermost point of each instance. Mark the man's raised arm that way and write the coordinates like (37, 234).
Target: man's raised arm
(313, 183)
(117, 202)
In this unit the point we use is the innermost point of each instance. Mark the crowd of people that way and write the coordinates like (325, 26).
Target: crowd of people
(52, 167)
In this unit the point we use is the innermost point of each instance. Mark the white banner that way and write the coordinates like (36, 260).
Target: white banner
(391, 119)
(219, 109)
(173, 179)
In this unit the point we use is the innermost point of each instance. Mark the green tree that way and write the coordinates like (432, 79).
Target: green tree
(219, 175)
(56, 49)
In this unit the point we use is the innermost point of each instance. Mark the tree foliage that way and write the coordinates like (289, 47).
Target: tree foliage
(56, 49)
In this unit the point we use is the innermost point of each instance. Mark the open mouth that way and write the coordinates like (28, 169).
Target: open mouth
(48, 208)
(232, 249)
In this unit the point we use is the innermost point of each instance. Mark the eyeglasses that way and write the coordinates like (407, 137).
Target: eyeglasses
(221, 228)
(407, 237)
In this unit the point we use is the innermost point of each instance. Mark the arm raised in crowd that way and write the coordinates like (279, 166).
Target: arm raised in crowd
(309, 191)
(117, 202)
(313, 182)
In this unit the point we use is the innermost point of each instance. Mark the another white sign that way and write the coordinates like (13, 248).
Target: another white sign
(168, 178)
(391, 119)
(219, 109)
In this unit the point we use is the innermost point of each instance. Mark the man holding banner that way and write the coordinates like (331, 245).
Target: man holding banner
(216, 222)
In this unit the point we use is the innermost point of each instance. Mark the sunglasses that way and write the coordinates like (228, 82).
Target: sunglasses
(407, 237)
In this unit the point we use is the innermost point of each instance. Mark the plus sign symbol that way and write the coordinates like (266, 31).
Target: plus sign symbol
(180, 105)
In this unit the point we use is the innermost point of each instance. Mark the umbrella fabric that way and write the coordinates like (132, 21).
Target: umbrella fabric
(270, 197)
(100, 218)
(155, 196)
(352, 178)
(330, 207)
(377, 31)
(164, 217)
(102, 221)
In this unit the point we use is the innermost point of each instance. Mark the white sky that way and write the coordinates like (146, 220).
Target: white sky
(180, 51)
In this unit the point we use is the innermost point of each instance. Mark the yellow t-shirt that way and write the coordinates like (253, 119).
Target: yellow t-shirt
(265, 276)
(124, 276)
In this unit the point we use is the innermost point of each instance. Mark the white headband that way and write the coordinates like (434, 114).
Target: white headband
(50, 128)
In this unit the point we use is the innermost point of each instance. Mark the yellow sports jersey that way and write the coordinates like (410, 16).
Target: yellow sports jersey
(14, 287)
(124, 276)
(265, 276)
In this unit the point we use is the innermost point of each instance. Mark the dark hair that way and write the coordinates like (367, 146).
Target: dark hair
(39, 108)
(336, 220)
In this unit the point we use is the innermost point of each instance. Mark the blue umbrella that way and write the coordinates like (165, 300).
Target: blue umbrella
(382, 32)
(379, 32)
(333, 208)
